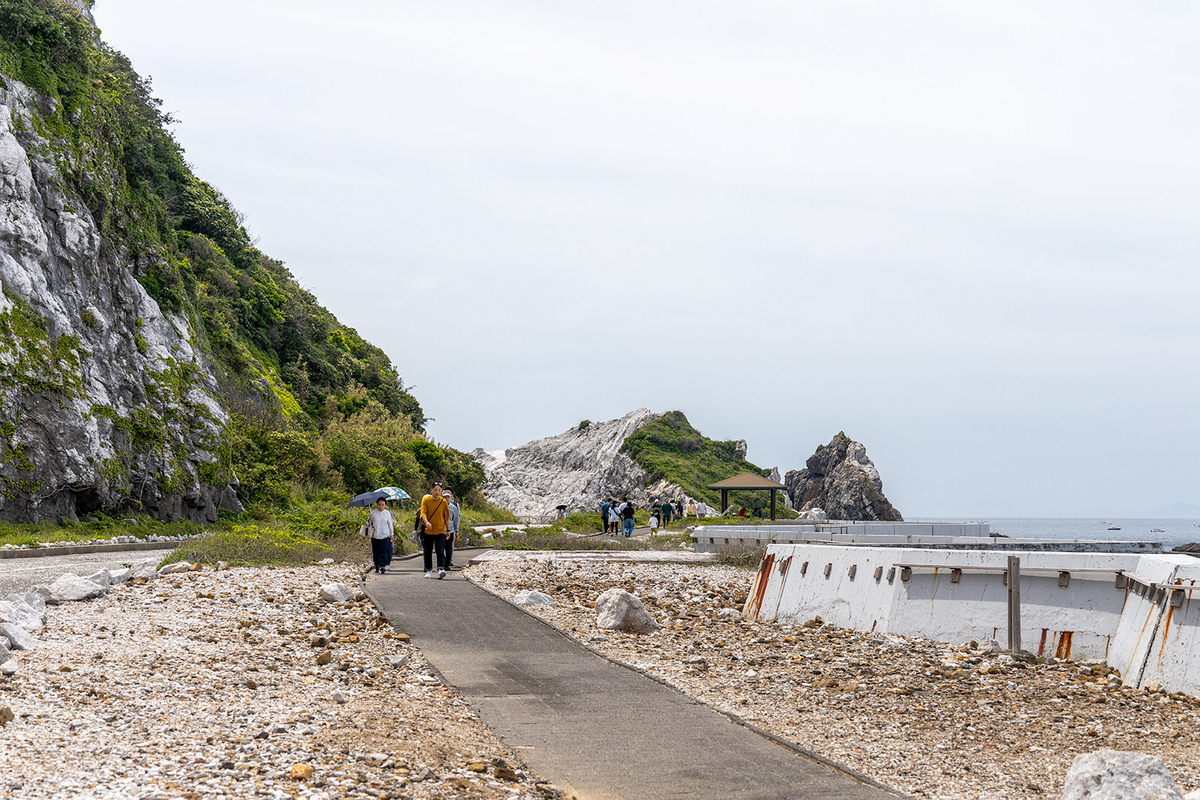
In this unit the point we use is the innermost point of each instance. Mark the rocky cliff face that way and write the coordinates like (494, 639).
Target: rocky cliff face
(103, 397)
(579, 468)
(841, 480)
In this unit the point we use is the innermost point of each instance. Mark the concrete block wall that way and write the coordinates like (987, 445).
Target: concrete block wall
(1073, 604)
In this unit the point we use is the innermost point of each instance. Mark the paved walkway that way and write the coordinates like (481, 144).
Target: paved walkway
(583, 722)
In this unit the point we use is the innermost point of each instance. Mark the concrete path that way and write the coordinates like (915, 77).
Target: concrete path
(581, 721)
(20, 574)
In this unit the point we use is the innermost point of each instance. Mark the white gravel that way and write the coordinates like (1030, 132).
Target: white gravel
(207, 684)
(930, 719)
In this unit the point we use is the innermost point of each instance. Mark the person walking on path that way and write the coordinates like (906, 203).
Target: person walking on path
(654, 524)
(691, 508)
(605, 508)
(435, 515)
(627, 516)
(666, 513)
(382, 524)
(451, 527)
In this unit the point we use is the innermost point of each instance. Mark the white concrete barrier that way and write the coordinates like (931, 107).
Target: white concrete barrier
(1132, 610)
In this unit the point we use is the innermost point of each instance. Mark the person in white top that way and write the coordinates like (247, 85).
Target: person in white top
(383, 527)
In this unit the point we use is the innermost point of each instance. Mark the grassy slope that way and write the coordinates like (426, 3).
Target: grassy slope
(669, 447)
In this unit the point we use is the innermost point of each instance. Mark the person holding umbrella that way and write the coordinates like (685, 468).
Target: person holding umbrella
(383, 528)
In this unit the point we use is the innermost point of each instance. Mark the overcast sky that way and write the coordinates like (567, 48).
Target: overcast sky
(965, 234)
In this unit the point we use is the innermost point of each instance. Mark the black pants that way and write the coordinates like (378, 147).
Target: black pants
(431, 543)
(381, 551)
(449, 550)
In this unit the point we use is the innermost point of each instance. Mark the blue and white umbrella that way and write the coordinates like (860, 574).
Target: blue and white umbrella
(393, 493)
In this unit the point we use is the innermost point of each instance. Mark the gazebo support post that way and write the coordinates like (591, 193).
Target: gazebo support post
(724, 500)
(772, 505)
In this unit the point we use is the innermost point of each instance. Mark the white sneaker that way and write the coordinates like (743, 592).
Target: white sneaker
(441, 574)
(429, 574)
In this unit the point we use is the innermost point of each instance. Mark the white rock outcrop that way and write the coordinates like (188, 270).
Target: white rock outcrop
(579, 468)
(618, 610)
(1119, 775)
(83, 331)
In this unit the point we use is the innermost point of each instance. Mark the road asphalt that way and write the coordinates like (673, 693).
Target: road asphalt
(583, 722)
(19, 574)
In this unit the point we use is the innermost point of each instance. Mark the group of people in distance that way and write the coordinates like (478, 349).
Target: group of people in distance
(437, 526)
(618, 517)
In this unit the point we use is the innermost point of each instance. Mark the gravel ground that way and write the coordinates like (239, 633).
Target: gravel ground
(209, 684)
(927, 718)
(20, 574)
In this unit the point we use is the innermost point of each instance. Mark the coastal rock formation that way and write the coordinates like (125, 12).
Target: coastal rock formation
(840, 479)
(103, 397)
(578, 468)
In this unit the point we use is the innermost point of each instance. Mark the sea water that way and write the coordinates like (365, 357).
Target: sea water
(1175, 531)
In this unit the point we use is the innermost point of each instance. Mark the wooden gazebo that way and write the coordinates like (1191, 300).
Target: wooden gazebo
(747, 481)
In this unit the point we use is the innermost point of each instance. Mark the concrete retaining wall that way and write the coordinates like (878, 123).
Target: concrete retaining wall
(1111, 606)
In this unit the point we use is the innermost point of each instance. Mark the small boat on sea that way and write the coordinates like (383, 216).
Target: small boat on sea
(1157, 530)
(1114, 528)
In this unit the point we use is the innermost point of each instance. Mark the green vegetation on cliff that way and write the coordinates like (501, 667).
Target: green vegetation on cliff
(316, 412)
(669, 447)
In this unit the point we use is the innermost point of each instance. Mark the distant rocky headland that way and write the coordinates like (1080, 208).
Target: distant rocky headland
(645, 456)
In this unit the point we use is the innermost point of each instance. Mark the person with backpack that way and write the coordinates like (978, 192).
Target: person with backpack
(627, 517)
(432, 523)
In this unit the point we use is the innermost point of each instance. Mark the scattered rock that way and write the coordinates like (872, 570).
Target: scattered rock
(3, 652)
(145, 570)
(336, 593)
(324, 562)
(18, 638)
(324, 657)
(301, 772)
(503, 772)
(222, 566)
(72, 588)
(477, 766)
(43, 591)
(102, 578)
(175, 569)
(398, 661)
(533, 598)
(729, 614)
(618, 610)
(22, 614)
(116, 576)
(6, 716)
(1119, 775)
(339, 697)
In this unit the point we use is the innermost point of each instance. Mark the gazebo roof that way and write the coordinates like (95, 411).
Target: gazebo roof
(747, 480)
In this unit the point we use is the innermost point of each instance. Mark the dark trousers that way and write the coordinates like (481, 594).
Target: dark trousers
(381, 551)
(449, 550)
(434, 543)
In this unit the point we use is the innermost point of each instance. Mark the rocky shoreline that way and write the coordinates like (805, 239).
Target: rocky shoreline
(243, 683)
(929, 719)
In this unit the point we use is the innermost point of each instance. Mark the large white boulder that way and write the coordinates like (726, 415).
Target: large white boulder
(529, 597)
(618, 610)
(21, 614)
(336, 593)
(145, 570)
(17, 637)
(119, 575)
(103, 577)
(31, 599)
(71, 587)
(1119, 775)
(43, 591)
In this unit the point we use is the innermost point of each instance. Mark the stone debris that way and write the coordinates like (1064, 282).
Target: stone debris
(17, 637)
(22, 614)
(533, 598)
(930, 719)
(203, 684)
(618, 610)
(175, 569)
(1117, 775)
(72, 588)
(336, 593)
